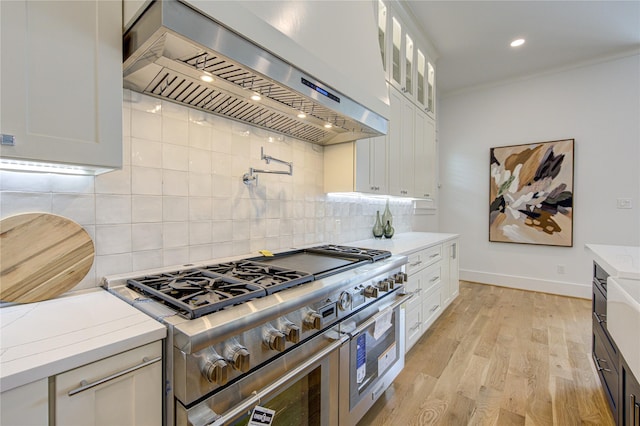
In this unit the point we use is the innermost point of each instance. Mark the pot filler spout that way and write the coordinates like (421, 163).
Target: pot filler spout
(176, 53)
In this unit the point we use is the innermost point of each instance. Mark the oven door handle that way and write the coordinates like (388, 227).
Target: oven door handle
(263, 393)
(376, 317)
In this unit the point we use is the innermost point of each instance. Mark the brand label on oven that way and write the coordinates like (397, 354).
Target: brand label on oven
(261, 416)
(361, 358)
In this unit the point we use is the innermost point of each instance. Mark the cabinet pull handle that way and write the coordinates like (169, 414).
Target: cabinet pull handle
(435, 308)
(600, 320)
(434, 255)
(634, 411)
(419, 262)
(415, 326)
(599, 367)
(84, 385)
(434, 279)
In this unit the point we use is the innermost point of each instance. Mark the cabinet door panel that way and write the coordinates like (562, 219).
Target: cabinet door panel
(62, 81)
(134, 398)
(25, 405)
(425, 156)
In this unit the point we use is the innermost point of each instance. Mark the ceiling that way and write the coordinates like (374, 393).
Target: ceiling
(472, 37)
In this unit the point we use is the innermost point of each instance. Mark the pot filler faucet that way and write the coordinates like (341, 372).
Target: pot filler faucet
(250, 177)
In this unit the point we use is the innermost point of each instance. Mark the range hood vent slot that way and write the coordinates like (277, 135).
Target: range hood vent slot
(164, 61)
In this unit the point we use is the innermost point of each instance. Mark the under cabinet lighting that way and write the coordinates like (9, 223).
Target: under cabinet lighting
(45, 167)
(517, 42)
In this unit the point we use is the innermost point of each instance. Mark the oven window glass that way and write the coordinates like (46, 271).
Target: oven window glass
(299, 404)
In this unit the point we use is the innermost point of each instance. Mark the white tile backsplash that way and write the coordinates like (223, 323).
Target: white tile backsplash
(116, 182)
(146, 236)
(175, 209)
(80, 208)
(146, 181)
(175, 182)
(146, 208)
(175, 157)
(113, 239)
(180, 196)
(113, 209)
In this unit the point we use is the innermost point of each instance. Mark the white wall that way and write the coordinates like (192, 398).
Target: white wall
(180, 197)
(598, 106)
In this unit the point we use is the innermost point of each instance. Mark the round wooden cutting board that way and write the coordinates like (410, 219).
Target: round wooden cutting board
(41, 256)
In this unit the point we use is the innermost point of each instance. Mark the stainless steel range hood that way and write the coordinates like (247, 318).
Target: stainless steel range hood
(171, 47)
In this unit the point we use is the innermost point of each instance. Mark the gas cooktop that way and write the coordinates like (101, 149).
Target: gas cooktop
(205, 289)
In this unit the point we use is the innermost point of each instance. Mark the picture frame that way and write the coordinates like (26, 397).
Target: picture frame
(531, 193)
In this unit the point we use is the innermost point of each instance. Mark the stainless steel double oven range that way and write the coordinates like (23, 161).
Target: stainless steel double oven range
(315, 335)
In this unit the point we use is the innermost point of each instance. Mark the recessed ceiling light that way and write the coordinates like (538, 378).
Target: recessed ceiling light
(255, 97)
(517, 42)
(302, 115)
(328, 125)
(207, 78)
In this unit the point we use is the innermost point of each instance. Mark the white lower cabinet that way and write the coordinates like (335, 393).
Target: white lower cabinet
(125, 389)
(27, 405)
(433, 278)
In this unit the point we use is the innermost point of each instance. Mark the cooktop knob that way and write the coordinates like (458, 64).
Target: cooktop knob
(399, 277)
(371, 291)
(313, 320)
(344, 302)
(239, 358)
(292, 332)
(392, 283)
(216, 371)
(383, 285)
(274, 340)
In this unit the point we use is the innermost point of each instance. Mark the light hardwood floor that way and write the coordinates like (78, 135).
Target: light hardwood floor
(499, 356)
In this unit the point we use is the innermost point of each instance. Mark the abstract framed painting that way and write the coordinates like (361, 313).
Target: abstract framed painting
(531, 193)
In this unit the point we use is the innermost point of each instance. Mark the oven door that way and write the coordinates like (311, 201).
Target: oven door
(301, 387)
(372, 358)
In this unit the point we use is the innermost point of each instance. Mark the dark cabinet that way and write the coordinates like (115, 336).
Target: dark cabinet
(604, 350)
(620, 385)
(630, 397)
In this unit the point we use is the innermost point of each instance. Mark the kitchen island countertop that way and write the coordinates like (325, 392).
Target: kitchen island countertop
(619, 261)
(42, 339)
(406, 242)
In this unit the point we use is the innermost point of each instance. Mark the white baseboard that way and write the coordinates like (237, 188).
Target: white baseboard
(526, 283)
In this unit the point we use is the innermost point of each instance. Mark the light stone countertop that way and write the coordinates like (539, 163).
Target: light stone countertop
(619, 261)
(42, 339)
(406, 242)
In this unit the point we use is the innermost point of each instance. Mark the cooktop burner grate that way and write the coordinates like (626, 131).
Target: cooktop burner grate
(200, 291)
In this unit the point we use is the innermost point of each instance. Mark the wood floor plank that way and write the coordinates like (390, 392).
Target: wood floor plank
(499, 356)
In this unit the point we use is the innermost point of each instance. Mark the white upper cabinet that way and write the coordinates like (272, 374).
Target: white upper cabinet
(359, 166)
(408, 66)
(424, 156)
(61, 84)
(401, 145)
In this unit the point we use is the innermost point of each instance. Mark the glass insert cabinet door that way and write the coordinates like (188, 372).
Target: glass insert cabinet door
(382, 32)
(408, 65)
(421, 69)
(396, 54)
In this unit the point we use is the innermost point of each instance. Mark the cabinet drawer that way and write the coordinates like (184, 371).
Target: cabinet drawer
(423, 258)
(413, 324)
(412, 284)
(431, 307)
(607, 368)
(124, 389)
(432, 277)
